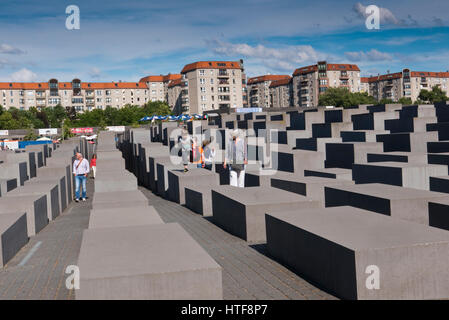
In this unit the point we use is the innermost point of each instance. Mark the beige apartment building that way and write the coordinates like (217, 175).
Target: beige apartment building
(364, 84)
(311, 81)
(80, 95)
(281, 93)
(174, 96)
(158, 86)
(212, 85)
(259, 90)
(406, 84)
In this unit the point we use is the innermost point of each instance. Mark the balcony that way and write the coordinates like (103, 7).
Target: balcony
(223, 82)
(223, 74)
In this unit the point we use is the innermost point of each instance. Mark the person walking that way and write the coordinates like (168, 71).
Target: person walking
(80, 172)
(93, 164)
(236, 156)
(197, 152)
(207, 155)
(186, 147)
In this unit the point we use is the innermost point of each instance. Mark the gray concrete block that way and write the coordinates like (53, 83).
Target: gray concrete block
(344, 155)
(59, 172)
(109, 155)
(335, 246)
(61, 181)
(439, 213)
(162, 176)
(119, 181)
(241, 211)
(118, 199)
(199, 199)
(409, 157)
(296, 160)
(310, 187)
(13, 235)
(35, 207)
(17, 171)
(49, 189)
(7, 185)
(332, 173)
(123, 217)
(397, 174)
(151, 262)
(178, 180)
(439, 184)
(397, 202)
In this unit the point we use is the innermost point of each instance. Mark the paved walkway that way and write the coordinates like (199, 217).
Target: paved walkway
(38, 270)
(248, 273)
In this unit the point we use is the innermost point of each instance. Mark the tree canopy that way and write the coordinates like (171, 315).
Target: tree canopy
(55, 117)
(433, 96)
(342, 97)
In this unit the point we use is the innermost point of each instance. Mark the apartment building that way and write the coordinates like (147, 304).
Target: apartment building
(158, 86)
(174, 96)
(281, 93)
(259, 90)
(311, 81)
(212, 85)
(364, 84)
(406, 84)
(80, 95)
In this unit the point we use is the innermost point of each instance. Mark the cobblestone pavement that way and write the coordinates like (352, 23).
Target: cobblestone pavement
(42, 275)
(248, 273)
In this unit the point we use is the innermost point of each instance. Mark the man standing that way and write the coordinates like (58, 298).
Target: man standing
(80, 171)
(236, 155)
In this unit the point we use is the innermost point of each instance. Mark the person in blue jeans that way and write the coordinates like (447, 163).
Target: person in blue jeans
(80, 172)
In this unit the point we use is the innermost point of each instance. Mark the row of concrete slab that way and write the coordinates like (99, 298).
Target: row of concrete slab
(325, 210)
(128, 252)
(36, 187)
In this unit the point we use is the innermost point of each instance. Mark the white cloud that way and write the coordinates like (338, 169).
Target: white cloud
(95, 73)
(8, 49)
(372, 55)
(285, 59)
(23, 75)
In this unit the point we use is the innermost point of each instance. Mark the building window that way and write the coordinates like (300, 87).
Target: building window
(202, 80)
(203, 98)
(201, 72)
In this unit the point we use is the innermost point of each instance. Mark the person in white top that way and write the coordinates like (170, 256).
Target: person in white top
(80, 172)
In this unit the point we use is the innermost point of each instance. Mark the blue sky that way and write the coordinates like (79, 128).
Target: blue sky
(126, 40)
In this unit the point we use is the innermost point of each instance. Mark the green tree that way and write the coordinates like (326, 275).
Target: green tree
(433, 96)
(30, 136)
(405, 101)
(342, 97)
(7, 122)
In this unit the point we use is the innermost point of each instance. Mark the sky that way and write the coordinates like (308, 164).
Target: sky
(129, 39)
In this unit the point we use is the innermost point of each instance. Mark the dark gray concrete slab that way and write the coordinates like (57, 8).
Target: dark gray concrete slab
(35, 207)
(397, 174)
(118, 199)
(335, 247)
(167, 264)
(13, 235)
(439, 213)
(49, 189)
(123, 217)
(310, 187)
(178, 180)
(7, 185)
(397, 202)
(241, 211)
